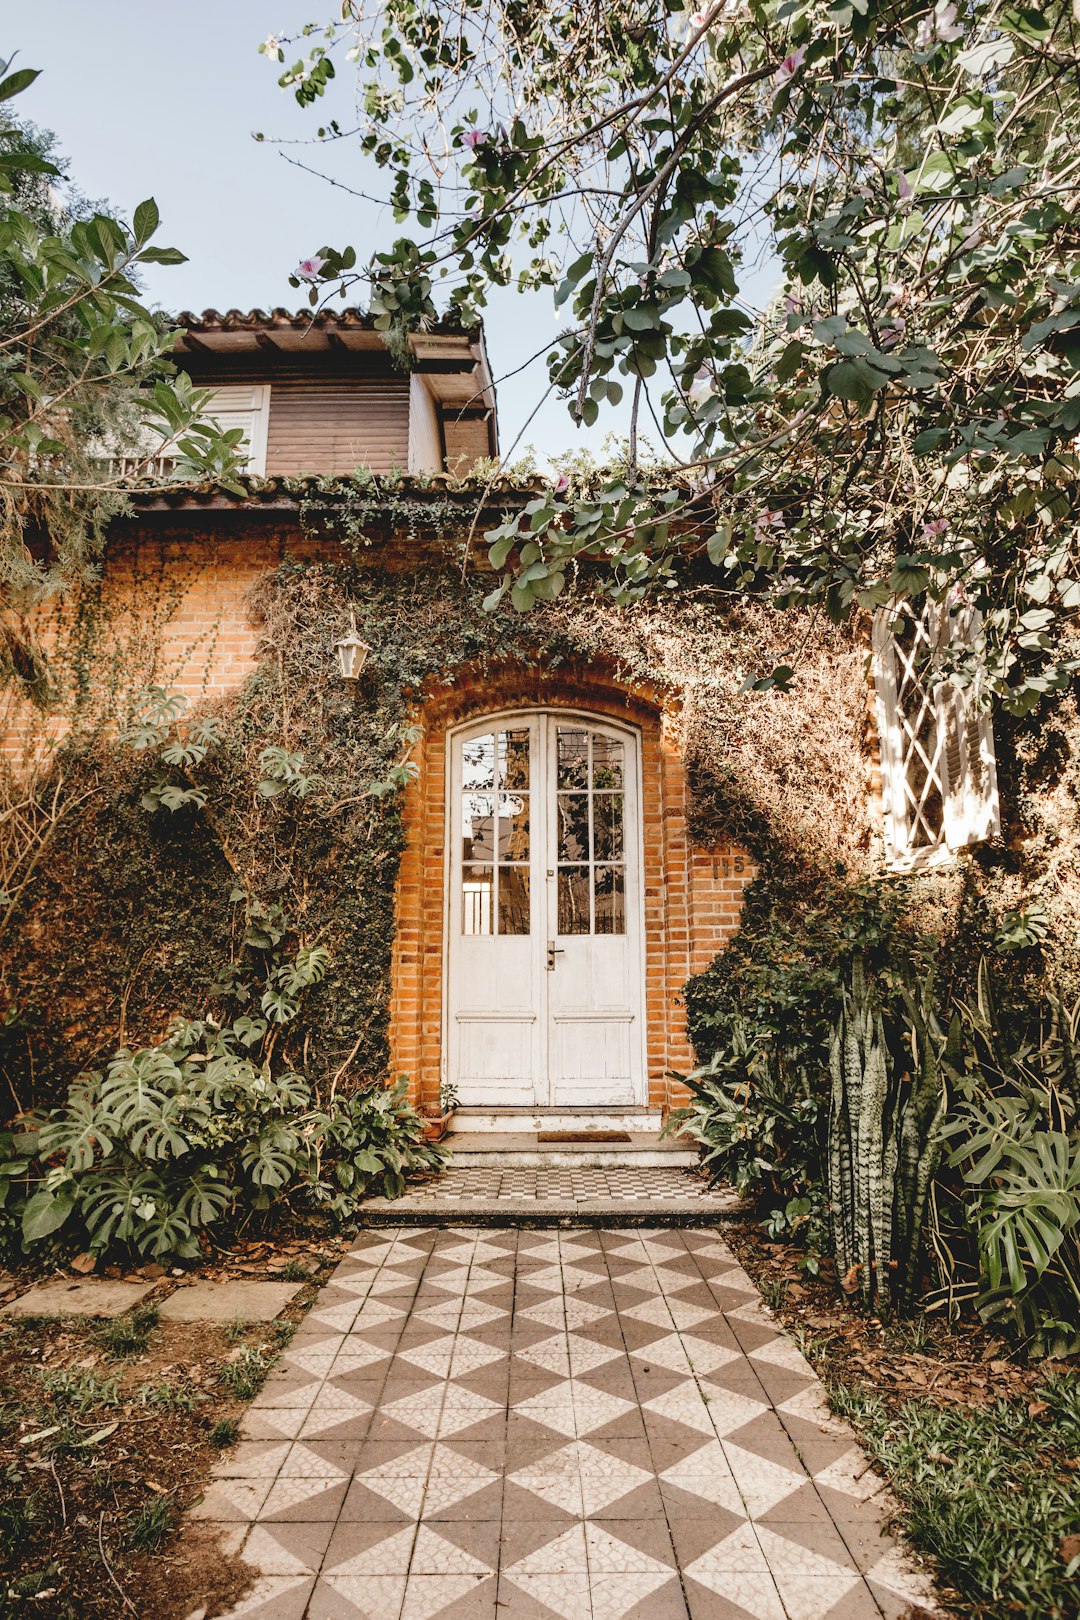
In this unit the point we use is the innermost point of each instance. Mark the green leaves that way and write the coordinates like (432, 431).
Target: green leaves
(96, 380)
(146, 221)
(48, 1209)
(15, 83)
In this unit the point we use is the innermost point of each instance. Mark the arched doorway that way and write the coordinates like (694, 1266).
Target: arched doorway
(545, 995)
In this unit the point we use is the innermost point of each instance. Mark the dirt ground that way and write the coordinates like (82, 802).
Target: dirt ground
(958, 1362)
(104, 1444)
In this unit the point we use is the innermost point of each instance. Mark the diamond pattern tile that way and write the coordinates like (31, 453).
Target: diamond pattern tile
(510, 1424)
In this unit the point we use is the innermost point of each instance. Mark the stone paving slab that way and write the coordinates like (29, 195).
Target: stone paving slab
(79, 1296)
(233, 1300)
(588, 1424)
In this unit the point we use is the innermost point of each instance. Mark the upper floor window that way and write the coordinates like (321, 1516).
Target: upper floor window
(246, 406)
(234, 405)
(939, 779)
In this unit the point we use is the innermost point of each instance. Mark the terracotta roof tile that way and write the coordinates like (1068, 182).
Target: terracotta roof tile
(238, 320)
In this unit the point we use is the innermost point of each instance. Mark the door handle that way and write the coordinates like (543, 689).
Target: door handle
(552, 952)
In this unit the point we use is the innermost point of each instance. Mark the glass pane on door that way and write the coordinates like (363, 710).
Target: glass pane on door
(590, 792)
(495, 834)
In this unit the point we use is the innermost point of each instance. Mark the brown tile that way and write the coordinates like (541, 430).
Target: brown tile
(441, 1540)
(803, 1504)
(372, 1547)
(484, 1506)
(364, 1506)
(814, 1535)
(299, 1501)
(552, 1546)
(758, 1591)
(356, 1597)
(520, 1504)
(616, 1544)
(694, 1537)
(277, 1597)
(516, 1603)
(867, 1542)
(451, 1597)
(764, 1435)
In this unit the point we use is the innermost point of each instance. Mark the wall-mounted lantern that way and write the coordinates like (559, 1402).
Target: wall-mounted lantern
(352, 653)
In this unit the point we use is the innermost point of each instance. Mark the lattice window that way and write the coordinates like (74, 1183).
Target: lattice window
(937, 748)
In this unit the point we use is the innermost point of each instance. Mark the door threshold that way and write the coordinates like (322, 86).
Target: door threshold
(512, 1121)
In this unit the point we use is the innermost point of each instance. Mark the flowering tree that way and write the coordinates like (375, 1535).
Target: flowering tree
(902, 416)
(87, 390)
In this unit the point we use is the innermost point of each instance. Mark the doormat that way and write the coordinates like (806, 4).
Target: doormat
(582, 1136)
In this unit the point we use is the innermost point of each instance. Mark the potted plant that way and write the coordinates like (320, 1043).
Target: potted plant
(437, 1121)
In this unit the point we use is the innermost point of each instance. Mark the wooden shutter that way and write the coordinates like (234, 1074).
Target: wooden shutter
(939, 782)
(247, 406)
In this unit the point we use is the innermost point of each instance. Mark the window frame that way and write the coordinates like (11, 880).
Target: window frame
(963, 748)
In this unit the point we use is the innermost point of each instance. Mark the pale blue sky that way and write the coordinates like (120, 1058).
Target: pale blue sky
(149, 99)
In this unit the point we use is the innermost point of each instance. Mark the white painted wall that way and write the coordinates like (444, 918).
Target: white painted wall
(425, 445)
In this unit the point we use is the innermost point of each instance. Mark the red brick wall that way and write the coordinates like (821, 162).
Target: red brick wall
(183, 599)
(692, 897)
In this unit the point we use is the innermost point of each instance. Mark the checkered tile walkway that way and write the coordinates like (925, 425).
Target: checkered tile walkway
(545, 1425)
(628, 1184)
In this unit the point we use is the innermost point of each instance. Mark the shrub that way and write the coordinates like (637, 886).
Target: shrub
(1017, 1147)
(759, 1122)
(175, 1140)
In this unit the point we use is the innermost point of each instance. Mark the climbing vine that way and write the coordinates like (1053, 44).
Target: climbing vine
(288, 791)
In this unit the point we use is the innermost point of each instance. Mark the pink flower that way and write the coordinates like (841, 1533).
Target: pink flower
(473, 138)
(935, 528)
(698, 19)
(309, 269)
(940, 28)
(903, 187)
(788, 68)
(562, 484)
(767, 521)
(889, 336)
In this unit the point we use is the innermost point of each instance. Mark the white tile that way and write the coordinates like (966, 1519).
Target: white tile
(808, 1597)
(609, 1555)
(267, 1590)
(851, 1474)
(374, 1597)
(752, 1591)
(612, 1596)
(707, 1473)
(566, 1595)
(428, 1595)
(564, 1554)
(390, 1556)
(762, 1484)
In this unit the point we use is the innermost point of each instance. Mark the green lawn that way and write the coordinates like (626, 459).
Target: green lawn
(992, 1493)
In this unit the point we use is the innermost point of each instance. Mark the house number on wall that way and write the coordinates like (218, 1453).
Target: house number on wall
(725, 866)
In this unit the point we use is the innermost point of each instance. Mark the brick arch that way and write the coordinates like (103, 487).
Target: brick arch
(690, 906)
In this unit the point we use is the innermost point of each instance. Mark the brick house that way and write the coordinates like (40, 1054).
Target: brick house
(552, 899)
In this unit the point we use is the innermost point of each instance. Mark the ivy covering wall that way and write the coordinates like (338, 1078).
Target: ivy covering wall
(134, 917)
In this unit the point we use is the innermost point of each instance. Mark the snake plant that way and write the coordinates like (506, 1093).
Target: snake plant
(885, 1122)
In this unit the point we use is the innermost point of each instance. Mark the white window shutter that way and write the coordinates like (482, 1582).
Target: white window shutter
(247, 406)
(939, 781)
(972, 809)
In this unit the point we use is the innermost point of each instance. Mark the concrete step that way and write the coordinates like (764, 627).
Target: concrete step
(523, 1149)
(409, 1211)
(513, 1121)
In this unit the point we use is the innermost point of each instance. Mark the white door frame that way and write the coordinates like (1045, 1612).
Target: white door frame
(635, 865)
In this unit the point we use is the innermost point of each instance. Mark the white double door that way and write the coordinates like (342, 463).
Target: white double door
(545, 984)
